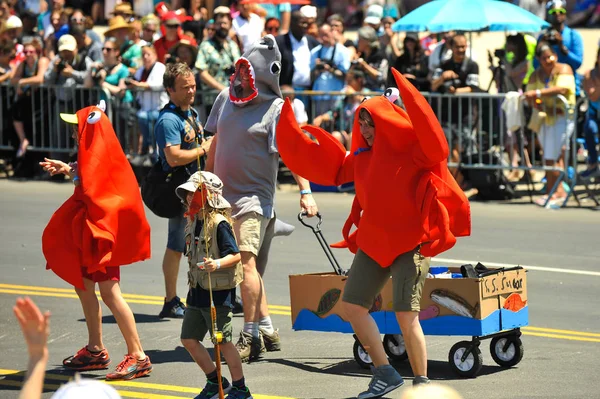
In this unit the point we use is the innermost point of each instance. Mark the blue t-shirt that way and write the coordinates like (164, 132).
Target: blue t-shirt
(172, 129)
(200, 298)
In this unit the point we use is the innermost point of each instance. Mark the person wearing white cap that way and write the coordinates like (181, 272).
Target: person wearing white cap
(374, 15)
(68, 69)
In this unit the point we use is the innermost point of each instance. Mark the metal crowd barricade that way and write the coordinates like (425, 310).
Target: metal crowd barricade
(44, 128)
(474, 123)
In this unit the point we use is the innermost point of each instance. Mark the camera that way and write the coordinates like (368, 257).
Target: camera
(61, 65)
(127, 81)
(230, 70)
(500, 53)
(551, 36)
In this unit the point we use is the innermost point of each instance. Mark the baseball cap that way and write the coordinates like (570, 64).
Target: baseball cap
(374, 14)
(13, 22)
(556, 5)
(67, 42)
(213, 185)
(308, 11)
(221, 10)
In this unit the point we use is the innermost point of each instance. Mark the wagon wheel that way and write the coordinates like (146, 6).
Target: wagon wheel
(394, 347)
(471, 364)
(362, 356)
(506, 351)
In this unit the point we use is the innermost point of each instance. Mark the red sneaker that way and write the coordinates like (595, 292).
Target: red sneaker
(86, 360)
(131, 368)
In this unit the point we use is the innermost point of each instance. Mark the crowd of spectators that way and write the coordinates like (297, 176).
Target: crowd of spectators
(56, 43)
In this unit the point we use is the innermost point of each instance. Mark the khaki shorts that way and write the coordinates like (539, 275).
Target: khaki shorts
(366, 279)
(250, 231)
(197, 322)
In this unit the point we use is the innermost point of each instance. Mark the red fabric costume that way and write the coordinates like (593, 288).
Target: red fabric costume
(103, 223)
(405, 194)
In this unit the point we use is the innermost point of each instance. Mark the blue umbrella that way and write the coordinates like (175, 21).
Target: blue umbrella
(470, 16)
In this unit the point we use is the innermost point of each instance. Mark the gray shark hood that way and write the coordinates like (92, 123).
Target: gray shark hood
(256, 76)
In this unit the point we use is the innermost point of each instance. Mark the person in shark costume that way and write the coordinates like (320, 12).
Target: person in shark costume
(244, 155)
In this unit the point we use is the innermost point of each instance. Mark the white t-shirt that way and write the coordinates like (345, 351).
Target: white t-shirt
(155, 98)
(248, 30)
(301, 54)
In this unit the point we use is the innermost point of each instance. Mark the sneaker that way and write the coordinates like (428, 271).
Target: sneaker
(385, 379)
(211, 390)
(420, 380)
(131, 368)
(272, 342)
(174, 309)
(239, 393)
(249, 348)
(86, 360)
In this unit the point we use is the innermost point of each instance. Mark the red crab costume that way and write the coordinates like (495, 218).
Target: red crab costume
(405, 194)
(103, 224)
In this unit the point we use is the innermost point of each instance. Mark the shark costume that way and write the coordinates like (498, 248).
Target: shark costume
(244, 118)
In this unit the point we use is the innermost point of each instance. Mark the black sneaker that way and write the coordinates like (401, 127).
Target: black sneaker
(174, 309)
(211, 390)
(239, 393)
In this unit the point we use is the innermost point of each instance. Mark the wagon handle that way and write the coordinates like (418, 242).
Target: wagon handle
(316, 228)
(324, 245)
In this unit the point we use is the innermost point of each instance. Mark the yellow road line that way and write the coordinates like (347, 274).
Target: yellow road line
(557, 336)
(127, 384)
(282, 310)
(553, 330)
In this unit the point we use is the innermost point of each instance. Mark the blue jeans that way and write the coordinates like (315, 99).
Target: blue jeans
(146, 120)
(590, 129)
(176, 237)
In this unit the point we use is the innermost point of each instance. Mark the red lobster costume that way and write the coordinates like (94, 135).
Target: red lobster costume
(103, 223)
(405, 194)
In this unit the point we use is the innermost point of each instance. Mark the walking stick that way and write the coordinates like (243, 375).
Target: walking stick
(199, 202)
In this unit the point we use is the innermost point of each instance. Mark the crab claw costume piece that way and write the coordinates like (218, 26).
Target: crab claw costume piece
(103, 224)
(405, 194)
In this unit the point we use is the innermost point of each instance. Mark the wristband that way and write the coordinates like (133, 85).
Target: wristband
(218, 264)
(538, 93)
(303, 192)
(76, 178)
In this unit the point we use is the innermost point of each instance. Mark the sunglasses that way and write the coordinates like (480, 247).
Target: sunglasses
(149, 30)
(561, 11)
(27, 52)
(108, 49)
(78, 20)
(272, 28)
(172, 26)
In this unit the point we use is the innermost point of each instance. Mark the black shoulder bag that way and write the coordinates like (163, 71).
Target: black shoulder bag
(158, 188)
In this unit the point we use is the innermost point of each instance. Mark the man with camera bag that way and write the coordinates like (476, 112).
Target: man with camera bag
(181, 143)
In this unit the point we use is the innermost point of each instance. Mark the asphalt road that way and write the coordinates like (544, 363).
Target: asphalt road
(562, 343)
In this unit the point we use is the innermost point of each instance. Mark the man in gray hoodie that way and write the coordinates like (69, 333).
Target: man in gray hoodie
(244, 155)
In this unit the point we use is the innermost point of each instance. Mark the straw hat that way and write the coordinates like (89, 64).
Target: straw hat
(116, 23)
(123, 8)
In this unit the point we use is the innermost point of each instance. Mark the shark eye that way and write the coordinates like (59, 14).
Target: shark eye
(94, 117)
(275, 67)
(392, 94)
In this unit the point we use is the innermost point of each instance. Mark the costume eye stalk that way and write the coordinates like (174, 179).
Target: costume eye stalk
(392, 94)
(94, 117)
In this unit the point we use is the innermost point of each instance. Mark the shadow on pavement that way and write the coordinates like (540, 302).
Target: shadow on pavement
(177, 355)
(437, 370)
(139, 319)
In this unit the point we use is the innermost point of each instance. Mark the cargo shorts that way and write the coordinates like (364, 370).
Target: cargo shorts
(197, 322)
(366, 279)
(251, 230)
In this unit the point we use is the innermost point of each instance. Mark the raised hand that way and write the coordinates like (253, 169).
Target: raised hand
(35, 326)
